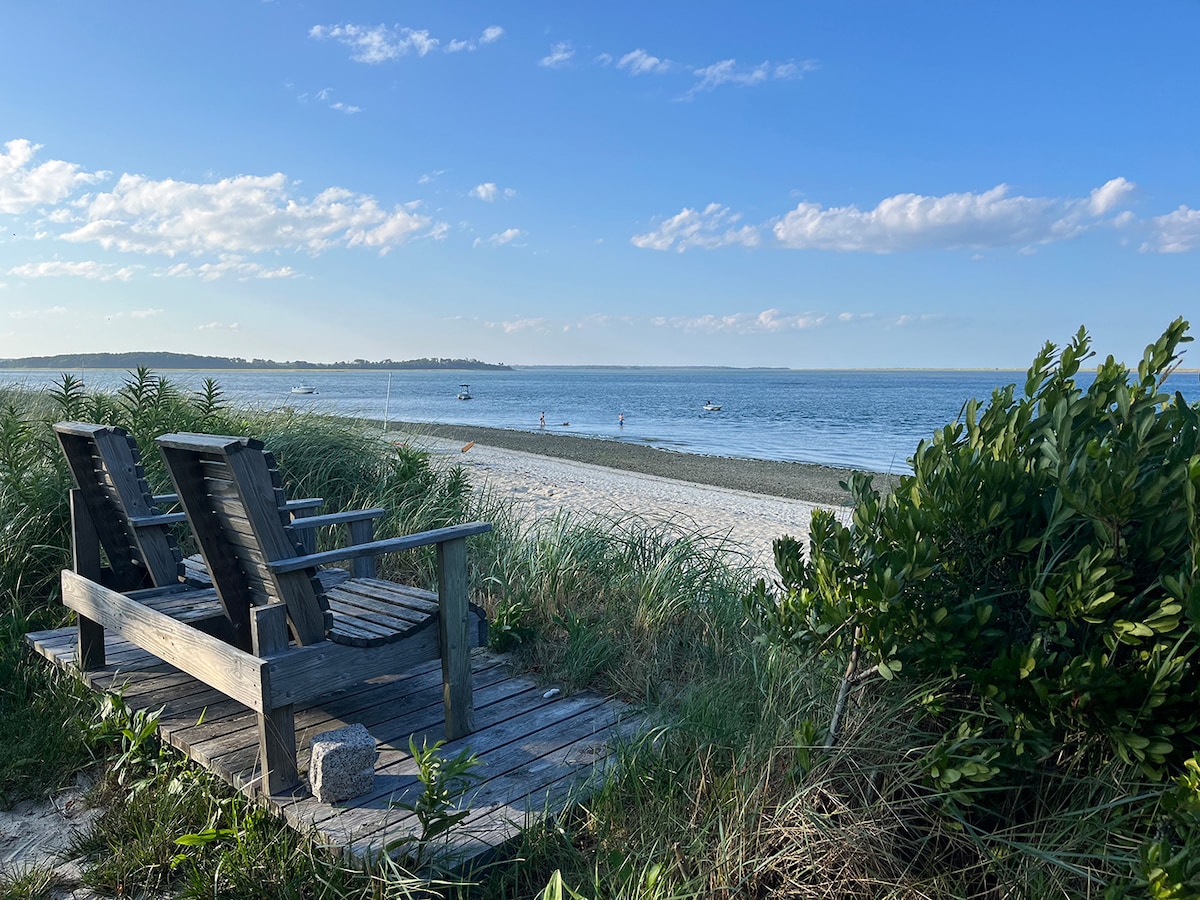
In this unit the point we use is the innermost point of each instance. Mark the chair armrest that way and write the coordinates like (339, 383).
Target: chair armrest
(165, 499)
(303, 503)
(357, 515)
(164, 519)
(388, 545)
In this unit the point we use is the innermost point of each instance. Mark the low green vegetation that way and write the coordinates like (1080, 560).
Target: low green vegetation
(982, 685)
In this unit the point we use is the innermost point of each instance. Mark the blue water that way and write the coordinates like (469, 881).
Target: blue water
(861, 419)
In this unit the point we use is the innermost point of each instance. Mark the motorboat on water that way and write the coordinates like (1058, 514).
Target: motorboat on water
(303, 389)
(709, 406)
(465, 392)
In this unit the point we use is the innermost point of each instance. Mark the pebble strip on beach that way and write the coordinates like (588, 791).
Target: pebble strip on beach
(798, 481)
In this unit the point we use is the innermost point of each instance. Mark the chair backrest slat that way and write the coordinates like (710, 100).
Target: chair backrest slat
(230, 492)
(107, 470)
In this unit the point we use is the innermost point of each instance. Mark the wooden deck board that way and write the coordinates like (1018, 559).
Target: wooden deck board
(539, 754)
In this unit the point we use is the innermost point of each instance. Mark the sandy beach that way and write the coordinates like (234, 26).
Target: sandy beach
(746, 502)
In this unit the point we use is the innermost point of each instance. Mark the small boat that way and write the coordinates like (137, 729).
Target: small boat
(303, 389)
(709, 406)
(465, 393)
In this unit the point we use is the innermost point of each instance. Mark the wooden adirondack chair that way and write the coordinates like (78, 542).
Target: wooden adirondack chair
(341, 635)
(120, 538)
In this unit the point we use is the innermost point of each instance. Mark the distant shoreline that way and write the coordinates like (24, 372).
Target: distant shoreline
(798, 481)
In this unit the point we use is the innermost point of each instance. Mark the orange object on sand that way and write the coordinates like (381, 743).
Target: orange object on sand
(467, 447)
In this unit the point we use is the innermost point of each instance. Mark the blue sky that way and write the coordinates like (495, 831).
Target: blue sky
(811, 185)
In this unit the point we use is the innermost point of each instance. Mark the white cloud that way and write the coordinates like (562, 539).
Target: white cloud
(431, 176)
(346, 108)
(218, 326)
(145, 313)
(560, 53)
(539, 325)
(376, 44)
(24, 186)
(231, 265)
(1109, 195)
(727, 72)
(639, 62)
(710, 228)
(499, 240)
(915, 222)
(1176, 232)
(244, 214)
(488, 191)
(490, 35)
(93, 271)
(767, 321)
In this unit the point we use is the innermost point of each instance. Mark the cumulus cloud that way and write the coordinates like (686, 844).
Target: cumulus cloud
(244, 214)
(1109, 196)
(559, 55)
(500, 239)
(639, 62)
(714, 226)
(92, 271)
(488, 192)
(24, 186)
(767, 321)
(994, 218)
(218, 326)
(1176, 232)
(376, 44)
(914, 222)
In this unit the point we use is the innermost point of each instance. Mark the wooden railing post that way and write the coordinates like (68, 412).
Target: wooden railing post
(453, 638)
(276, 724)
(362, 533)
(85, 560)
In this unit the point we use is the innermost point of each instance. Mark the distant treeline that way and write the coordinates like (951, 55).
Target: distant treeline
(68, 361)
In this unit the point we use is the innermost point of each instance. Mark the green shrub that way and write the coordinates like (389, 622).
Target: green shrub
(1042, 556)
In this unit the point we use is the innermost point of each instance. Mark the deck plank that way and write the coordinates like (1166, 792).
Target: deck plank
(539, 753)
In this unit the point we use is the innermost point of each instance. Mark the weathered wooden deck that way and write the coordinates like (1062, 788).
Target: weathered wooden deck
(540, 753)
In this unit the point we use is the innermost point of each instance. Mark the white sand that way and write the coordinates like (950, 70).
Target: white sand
(541, 486)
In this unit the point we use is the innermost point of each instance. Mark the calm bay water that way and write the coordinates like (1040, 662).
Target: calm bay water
(862, 419)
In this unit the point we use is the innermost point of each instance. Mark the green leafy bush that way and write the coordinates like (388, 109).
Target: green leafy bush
(1041, 560)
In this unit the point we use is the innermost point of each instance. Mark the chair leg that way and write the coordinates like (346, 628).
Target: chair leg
(276, 726)
(453, 638)
(85, 560)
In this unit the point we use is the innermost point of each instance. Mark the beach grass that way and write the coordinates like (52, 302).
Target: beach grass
(735, 788)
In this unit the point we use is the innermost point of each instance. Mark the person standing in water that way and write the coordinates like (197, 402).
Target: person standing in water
(621, 419)
(543, 419)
